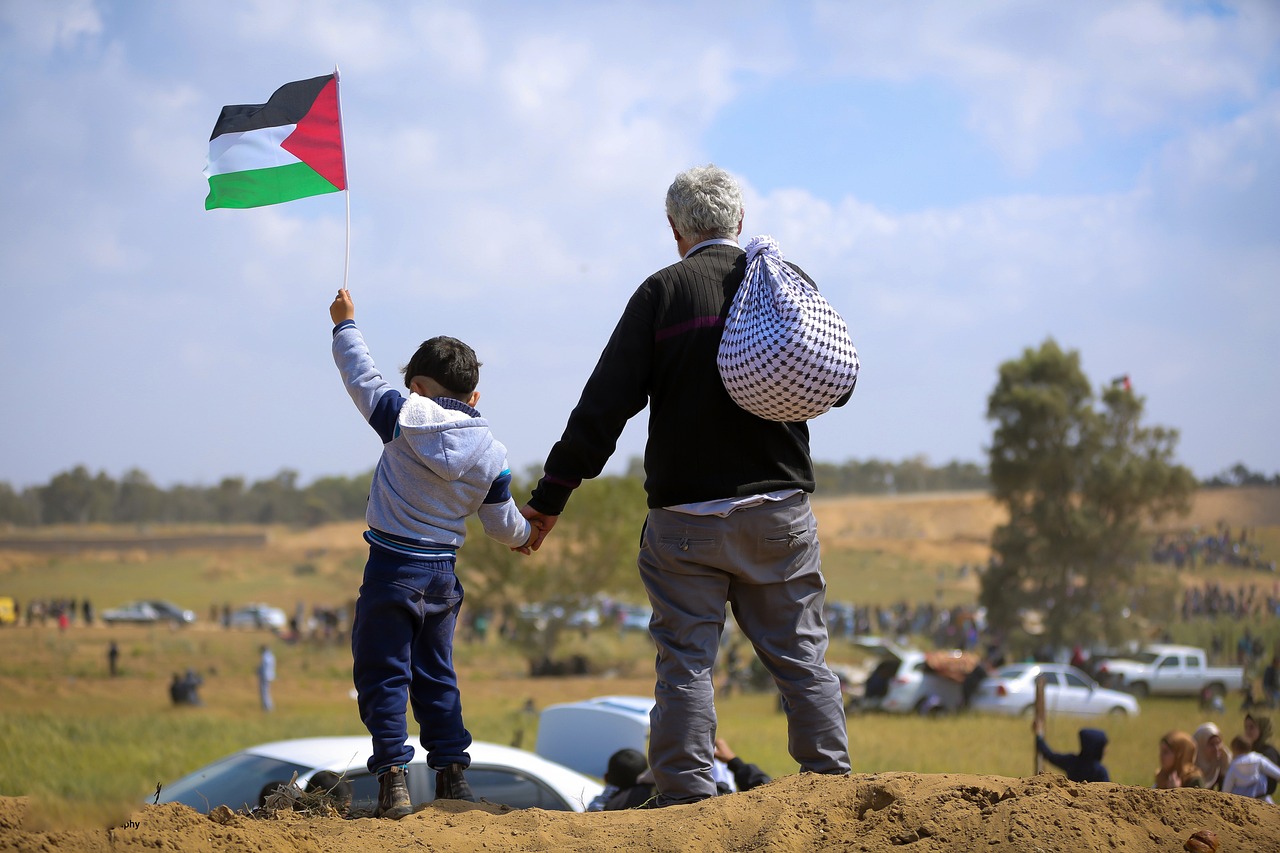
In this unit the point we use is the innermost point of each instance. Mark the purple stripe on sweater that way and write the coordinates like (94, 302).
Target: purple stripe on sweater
(687, 326)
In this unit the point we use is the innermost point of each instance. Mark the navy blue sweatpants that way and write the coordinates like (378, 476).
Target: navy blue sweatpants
(402, 642)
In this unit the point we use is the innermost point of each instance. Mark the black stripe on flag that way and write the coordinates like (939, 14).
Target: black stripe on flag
(287, 105)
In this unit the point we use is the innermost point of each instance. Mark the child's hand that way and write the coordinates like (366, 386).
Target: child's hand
(342, 308)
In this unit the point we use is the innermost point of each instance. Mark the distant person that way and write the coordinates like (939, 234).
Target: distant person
(1084, 766)
(1257, 730)
(1211, 756)
(266, 675)
(1271, 683)
(728, 495)
(191, 681)
(113, 659)
(1249, 772)
(1177, 762)
(439, 464)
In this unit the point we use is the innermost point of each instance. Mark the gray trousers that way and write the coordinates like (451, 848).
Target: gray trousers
(764, 562)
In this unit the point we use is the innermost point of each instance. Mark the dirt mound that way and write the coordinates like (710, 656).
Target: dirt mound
(795, 813)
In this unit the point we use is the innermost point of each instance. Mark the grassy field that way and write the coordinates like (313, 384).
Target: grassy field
(89, 748)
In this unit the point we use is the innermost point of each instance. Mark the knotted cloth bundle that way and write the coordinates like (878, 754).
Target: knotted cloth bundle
(785, 354)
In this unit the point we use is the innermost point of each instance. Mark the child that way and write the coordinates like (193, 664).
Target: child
(1245, 775)
(1085, 767)
(622, 788)
(439, 464)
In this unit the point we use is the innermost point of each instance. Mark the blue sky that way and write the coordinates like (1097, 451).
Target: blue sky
(963, 180)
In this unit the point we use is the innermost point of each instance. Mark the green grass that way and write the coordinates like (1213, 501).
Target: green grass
(89, 748)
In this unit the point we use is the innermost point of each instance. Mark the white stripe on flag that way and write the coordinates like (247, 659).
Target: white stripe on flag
(250, 149)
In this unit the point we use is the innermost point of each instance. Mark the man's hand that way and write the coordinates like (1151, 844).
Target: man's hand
(542, 525)
(723, 752)
(342, 308)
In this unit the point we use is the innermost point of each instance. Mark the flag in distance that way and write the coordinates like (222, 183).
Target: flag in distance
(286, 149)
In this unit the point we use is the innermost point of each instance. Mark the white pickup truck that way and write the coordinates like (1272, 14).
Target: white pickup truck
(1162, 670)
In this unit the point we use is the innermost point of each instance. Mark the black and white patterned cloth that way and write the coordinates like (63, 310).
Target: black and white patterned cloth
(785, 354)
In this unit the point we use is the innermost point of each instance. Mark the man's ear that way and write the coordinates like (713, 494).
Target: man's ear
(740, 218)
(473, 399)
(417, 386)
(675, 232)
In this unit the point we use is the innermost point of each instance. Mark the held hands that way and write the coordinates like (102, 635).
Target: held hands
(540, 526)
(342, 308)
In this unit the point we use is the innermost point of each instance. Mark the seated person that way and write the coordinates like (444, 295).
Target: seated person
(745, 776)
(622, 786)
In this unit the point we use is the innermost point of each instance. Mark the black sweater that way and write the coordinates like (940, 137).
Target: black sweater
(701, 445)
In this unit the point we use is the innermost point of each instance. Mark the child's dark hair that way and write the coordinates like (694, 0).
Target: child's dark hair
(624, 766)
(1240, 744)
(448, 361)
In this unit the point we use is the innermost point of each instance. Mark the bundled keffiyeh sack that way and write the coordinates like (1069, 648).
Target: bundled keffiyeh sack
(785, 354)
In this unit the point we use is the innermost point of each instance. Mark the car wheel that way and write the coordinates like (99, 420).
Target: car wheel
(1029, 711)
(1218, 690)
(1119, 711)
(1140, 689)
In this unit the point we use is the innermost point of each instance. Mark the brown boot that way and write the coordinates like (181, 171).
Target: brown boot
(393, 794)
(451, 784)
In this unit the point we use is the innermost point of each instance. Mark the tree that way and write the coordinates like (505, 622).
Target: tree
(138, 500)
(591, 552)
(74, 497)
(1078, 480)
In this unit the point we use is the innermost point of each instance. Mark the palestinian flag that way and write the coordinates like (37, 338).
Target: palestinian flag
(286, 149)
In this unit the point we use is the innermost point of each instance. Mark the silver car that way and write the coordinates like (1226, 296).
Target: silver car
(1067, 690)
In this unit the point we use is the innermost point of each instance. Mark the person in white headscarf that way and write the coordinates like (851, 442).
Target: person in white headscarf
(1211, 756)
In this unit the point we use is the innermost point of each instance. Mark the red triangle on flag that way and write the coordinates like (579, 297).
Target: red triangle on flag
(317, 140)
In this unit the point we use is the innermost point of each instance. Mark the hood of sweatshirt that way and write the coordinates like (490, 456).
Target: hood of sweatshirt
(448, 436)
(1092, 744)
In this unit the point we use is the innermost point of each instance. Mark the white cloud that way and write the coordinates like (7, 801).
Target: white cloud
(508, 167)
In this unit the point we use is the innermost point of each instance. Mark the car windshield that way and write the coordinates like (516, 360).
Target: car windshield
(235, 781)
(1011, 673)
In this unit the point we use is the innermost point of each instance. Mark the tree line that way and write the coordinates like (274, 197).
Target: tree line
(78, 496)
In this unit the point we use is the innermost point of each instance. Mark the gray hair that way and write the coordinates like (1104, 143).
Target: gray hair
(705, 202)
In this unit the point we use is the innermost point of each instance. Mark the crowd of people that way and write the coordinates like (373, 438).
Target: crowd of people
(1193, 548)
(62, 612)
(1212, 599)
(1248, 765)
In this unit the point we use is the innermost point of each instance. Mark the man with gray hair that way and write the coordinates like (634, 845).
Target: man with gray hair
(729, 519)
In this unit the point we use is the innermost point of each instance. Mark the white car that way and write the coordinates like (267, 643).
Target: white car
(1067, 690)
(498, 774)
(258, 616)
(903, 682)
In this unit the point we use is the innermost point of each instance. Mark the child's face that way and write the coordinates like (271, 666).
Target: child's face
(1166, 756)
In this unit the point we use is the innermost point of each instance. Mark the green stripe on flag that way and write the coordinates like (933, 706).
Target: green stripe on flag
(258, 187)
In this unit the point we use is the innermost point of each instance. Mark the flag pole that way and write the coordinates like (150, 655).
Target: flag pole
(342, 135)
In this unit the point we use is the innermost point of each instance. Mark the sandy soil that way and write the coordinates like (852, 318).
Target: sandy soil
(796, 813)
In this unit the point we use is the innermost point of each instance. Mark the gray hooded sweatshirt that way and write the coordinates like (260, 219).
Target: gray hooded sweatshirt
(440, 463)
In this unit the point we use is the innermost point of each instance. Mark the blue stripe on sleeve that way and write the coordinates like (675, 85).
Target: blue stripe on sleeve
(385, 414)
(500, 491)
